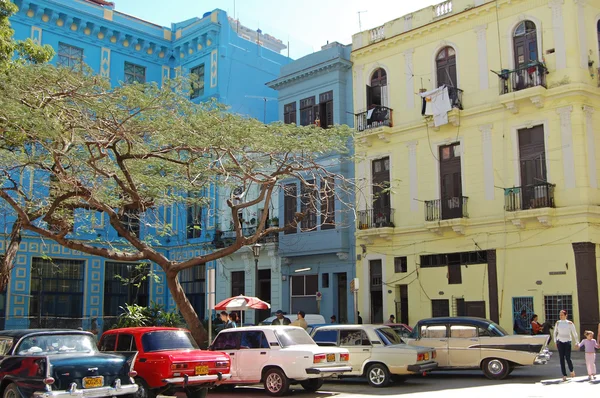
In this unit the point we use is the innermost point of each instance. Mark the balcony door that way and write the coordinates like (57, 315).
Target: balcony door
(525, 44)
(381, 192)
(450, 182)
(446, 67)
(377, 91)
(532, 159)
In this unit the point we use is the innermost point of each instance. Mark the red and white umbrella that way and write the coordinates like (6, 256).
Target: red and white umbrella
(242, 303)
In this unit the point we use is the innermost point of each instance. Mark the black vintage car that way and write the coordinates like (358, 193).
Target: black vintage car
(61, 363)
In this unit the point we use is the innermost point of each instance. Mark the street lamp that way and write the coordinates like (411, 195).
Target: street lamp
(256, 252)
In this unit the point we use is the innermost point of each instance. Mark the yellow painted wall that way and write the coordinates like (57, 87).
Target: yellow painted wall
(542, 241)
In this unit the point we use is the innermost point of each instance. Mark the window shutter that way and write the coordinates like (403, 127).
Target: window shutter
(329, 113)
(369, 96)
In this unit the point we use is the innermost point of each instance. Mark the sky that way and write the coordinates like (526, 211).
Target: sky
(306, 24)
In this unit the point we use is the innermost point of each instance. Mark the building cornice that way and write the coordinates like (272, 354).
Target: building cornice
(310, 72)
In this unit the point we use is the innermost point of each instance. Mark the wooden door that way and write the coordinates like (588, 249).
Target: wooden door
(450, 182)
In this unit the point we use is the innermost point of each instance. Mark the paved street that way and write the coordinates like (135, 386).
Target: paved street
(524, 382)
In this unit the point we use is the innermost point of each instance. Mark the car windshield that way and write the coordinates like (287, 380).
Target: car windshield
(54, 344)
(163, 340)
(388, 336)
(292, 336)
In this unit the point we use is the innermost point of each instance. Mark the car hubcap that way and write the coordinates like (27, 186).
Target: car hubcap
(495, 367)
(10, 394)
(274, 382)
(377, 376)
(141, 392)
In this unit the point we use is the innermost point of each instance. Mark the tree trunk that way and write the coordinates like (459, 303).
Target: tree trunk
(7, 262)
(187, 310)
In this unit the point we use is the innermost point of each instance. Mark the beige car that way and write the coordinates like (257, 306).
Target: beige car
(477, 343)
(376, 352)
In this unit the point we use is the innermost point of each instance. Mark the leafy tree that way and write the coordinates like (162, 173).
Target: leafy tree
(130, 150)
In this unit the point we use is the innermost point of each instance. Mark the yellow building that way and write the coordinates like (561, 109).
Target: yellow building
(488, 204)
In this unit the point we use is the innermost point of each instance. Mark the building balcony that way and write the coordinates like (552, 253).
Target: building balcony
(446, 209)
(376, 218)
(532, 75)
(377, 116)
(529, 197)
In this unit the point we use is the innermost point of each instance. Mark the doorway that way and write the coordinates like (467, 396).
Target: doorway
(342, 297)
(264, 287)
(376, 291)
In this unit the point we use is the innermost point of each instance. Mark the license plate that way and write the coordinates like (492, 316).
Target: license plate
(93, 382)
(201, 370)
(427, 356)
(330, 357)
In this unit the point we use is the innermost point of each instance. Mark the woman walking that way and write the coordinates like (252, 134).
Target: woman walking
(563, 333)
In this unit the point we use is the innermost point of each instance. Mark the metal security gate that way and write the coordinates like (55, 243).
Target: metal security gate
(520, 304)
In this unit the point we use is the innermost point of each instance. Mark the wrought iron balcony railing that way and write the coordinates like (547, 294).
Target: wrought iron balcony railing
(527, 76)
(376, 218)
(527, 197)
(377, 116)
(446, 209)
(224, 238)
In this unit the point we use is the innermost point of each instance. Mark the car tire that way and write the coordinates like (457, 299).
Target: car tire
(11, 391)
(378, 375)
(197, 393)
(312, 384)
(144, 391)
(495, 368)
(276, 382)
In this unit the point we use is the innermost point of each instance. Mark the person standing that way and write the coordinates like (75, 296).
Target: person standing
(392, 319)
(280, 320)
(233, 318)
(360, 318)
(590, 345)
(564, 330)
(225, 320)
(333, 319)
(300, 321)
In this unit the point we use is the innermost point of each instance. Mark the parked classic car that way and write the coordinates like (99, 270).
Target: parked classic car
(477, 343)
(169, 360)
(46, 363)
(376, 352)
(400, 328)
(279, 356)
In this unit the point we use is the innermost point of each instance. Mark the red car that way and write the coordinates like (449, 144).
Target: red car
(168, 361)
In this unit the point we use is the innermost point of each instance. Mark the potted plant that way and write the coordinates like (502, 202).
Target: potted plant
(275, 221)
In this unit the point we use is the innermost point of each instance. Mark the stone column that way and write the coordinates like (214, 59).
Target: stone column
(566, 132)
(591, 146)
(482, 56)
(488, 161)
(410, 81)
(412, 172)
(559, 33)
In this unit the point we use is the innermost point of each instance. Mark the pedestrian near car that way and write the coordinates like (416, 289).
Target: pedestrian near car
(392, 319)
(564, 331)
(520, 326)
(536, 327)
(226, 321)
(280, 319)
(590, 345)
(360, 318)
(233, 319)
(301, 322)
(333, 319)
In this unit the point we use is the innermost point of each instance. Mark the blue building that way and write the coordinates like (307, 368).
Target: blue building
(317, 258)
(231, 61)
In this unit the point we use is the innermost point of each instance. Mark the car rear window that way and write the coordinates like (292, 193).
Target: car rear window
(163, 340)
(291, 336)
(54, 344)
(326, 337)
(388, 336)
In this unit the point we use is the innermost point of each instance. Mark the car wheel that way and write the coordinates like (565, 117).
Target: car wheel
(144, 391)
(378, 375)
(312, 384)
(11, 391)
(495, 369)
(197, 393)
(276, 382)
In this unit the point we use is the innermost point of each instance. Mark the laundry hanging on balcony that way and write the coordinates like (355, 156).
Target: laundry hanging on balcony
(437, 103)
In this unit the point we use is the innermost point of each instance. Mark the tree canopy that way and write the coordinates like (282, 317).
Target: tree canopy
(126, 151)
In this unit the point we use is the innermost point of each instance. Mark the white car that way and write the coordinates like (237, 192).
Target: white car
(279, 356)
(376, 352)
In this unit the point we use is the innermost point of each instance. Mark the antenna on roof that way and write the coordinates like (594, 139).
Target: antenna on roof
(359, 24)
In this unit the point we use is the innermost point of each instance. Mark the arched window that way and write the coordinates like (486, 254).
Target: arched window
(525, 44)
(445, 62)
(377, 92)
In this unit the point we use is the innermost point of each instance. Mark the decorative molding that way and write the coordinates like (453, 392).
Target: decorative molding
(517, 222)
(36, 35)
(105, 63)
(385, 137)
(582, 32)
(512, 107)
(273, 258)
(459, 229)
(342, 256)
(337, 64)
(566, 130)
(482, 56)
(538, 101)
(413, 177)
(214, 58)
(588, 112)
(408, 19)
(546, 221)
(410, 82)
(559, 33)
(488, 160)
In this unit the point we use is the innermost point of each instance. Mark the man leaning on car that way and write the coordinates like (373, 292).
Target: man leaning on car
(280, 320)
(300, 321)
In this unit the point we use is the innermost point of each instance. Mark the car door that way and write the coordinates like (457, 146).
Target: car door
(253, 354)
(463, 347)
(359, 346)
(435, 336)
(228, 342)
